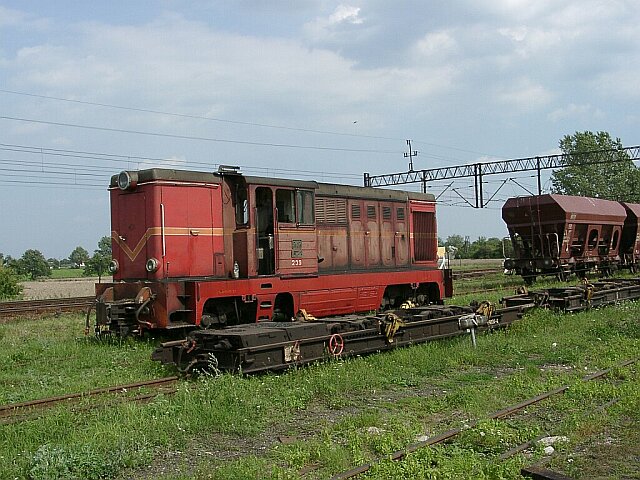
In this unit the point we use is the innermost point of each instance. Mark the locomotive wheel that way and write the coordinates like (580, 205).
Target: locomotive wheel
(336, 345)
(213, 320)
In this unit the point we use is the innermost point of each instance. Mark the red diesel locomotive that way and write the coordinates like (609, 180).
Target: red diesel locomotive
(215, 249)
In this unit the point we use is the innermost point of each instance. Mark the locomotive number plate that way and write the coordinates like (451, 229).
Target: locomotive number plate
(296, 249)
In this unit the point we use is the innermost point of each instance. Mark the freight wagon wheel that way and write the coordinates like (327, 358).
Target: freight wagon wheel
(336, 344)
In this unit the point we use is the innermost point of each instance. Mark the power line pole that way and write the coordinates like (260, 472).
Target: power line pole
(410, 154)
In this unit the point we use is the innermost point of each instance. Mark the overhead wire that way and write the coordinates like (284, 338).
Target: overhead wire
(241, 122)
(203, 139)
(199, 117)
(121, 159)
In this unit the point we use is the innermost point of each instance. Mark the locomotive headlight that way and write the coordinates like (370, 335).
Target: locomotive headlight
(113, 266)
(152, 265)
(127, 180)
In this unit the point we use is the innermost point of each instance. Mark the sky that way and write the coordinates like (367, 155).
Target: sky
(315, 90)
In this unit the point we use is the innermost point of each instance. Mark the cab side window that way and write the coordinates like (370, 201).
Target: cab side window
(285, 205)
(305, 207)
(242, 206)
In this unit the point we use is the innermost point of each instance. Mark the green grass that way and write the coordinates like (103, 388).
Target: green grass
(51, 356)
(470, 264)
(67, 273)
(340, 414)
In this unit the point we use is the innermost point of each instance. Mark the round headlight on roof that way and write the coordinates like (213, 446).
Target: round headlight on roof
(127, 180)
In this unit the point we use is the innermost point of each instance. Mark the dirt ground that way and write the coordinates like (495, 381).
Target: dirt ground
(61, 288)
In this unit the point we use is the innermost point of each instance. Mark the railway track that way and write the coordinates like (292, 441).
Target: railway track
(449, 434)
(49, 305)
(15, 412)
(475, 273)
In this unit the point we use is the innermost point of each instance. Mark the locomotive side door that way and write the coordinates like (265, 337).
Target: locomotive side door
(264, 218)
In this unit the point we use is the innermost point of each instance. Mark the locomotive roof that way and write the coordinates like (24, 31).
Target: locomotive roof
(153, 174)
(174, 175)
(351, 191)
(561, 207)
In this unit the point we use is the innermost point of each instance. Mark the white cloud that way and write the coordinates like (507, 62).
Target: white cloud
(619, 84)
(524, 94)
(176, 65)
(576, 112)
(520, 10)
(345, 13)
(328, 28)
(19, 19)
(437, 44)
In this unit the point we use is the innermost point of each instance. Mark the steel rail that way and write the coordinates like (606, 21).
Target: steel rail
(14, 308)
(400, 454)
(16, 409)
(529, 443)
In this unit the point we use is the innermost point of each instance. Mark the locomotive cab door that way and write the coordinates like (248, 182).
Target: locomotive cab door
(296, 240)
(265, 243)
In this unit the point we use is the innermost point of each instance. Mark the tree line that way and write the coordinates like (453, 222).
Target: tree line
(33, 265)
(483, 247)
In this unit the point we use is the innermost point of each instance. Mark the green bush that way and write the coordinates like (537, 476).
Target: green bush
(9, 286)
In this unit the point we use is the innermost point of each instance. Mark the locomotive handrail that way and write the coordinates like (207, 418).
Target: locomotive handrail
(276, 241)
(164, 242)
